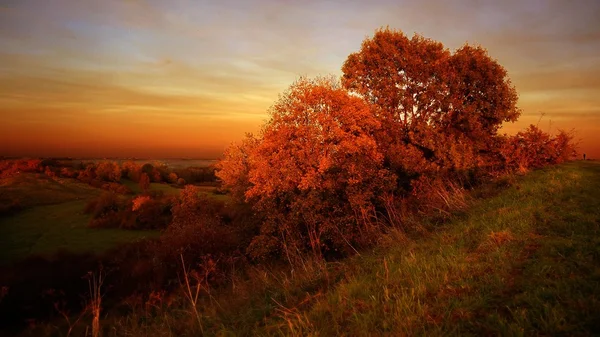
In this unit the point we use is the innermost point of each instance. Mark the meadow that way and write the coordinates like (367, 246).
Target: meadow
(53, 219)
(52, 216)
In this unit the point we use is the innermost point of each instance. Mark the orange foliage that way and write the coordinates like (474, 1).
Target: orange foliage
(12, 167)
(132, 170)
(234, 167)
(108, 171)
(137, 202)
(144, 182)
(439, 110)
(411, 120)
(316, 171)
(534, 148)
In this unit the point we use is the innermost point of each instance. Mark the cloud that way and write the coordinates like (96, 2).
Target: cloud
(207, 71)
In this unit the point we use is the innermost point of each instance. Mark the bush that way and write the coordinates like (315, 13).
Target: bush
(117, 188)
(108, 171)
(534, 148)
(105, 204)
(152, 213)
(172, 178)
(196, 222)
(144, 182)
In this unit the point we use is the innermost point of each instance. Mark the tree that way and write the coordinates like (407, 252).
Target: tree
(172, 178)
(439, 111)
(152, 172)
(108, 171)
(234, 167)
(144, 182)
(316, 170)
(408, 114)
(534, 148)
(131, 170)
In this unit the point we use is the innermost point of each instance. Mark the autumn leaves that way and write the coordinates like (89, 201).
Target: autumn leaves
(407, 110)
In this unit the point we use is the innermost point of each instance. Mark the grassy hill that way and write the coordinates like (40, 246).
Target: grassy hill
(524, 260)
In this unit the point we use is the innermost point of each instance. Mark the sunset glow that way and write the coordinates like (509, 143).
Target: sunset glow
(185, 78)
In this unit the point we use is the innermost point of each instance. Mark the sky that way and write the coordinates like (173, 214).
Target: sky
(185, 78)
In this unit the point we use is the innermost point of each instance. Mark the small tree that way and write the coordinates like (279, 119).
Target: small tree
(234, 167)
(172, 177)
(108, 171)
(144, 182)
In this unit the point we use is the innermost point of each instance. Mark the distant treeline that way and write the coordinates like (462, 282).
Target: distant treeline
(99, 172)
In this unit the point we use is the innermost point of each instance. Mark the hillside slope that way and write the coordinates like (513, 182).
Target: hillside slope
(523, 260)
(526, 261)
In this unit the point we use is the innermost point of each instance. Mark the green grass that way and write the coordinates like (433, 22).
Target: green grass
(165, 188)
(523, 262)
(46, 229)
(170, 190)
(53, 219)
(31, 189)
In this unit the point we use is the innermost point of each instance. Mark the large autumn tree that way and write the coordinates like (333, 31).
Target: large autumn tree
(408, 116)
(439, 110)
(316, 172)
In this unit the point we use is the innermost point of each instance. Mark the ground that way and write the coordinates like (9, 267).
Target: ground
(526, 261)
(523, 260)
(53, 219)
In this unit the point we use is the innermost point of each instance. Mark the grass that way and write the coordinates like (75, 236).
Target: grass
(31, 189)
(170, 190)
(165, 188)
(53, 219)
(525, 261)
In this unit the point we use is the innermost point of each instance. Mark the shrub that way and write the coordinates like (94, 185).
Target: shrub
(68, 172)
(108, 171)
(106, 203)
(534, 148)
(196, 229)
(117, 188)
(152, 213)
(172, 178)
(144, 182)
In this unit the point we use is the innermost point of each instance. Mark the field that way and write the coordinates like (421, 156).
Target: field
(171, 163)
(170, 190)
(53, 219)
(165, 188)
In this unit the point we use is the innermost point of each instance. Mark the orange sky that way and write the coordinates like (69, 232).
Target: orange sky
(184, 78)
